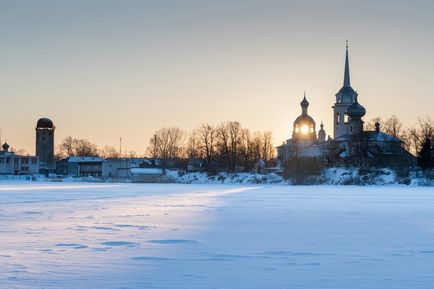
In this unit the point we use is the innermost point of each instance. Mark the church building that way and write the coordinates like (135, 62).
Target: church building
(351, 144)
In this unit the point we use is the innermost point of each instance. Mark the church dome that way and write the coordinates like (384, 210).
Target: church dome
(5, 147)
(304, 119)
(44, 123)
(356, 110)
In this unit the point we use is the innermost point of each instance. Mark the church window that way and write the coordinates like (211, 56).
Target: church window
(338, 118)
(346, 118)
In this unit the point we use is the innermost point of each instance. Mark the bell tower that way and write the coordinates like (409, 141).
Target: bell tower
(344, 98)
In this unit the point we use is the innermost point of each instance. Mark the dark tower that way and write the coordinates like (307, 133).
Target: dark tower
(45, 141)
(344, 98)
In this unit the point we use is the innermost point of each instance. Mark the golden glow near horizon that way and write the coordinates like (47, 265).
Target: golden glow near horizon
(104, 70)
(304, 129)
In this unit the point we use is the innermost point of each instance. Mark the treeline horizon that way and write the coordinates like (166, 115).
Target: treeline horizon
(231, 145)
(227, 145)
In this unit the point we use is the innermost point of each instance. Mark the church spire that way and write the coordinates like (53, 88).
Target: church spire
(347, 69)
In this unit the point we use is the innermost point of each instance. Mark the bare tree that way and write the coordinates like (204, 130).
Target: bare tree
(393, 126)
(207, 135)
(67, 147)
(77, 147)
(167, 143)
(109, 152)
(416, 136)
(85, 148)
(131, 154)
(268, 150)
(193, 150)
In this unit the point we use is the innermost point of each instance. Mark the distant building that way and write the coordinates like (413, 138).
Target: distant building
(45, 144)
(10, 163)
(352, 145)
(196, 165)
(148, 175)
(80, 167)
(120, 168)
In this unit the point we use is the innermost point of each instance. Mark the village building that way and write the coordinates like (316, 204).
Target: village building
(80, 167)
(120, 168)
(13, 164)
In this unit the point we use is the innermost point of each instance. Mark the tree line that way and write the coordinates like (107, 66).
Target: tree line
(73, 147)
(232, 147)
(225, 146)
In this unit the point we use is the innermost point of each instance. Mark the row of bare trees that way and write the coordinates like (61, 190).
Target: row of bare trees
(230, 146)
(71, 147)
(227, 145)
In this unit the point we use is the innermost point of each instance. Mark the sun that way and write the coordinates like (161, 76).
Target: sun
(304, 129)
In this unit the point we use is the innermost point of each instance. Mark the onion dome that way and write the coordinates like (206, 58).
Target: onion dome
(304, 119)
(5, 147)
(356, 110)
(304, 102)
(44, 123)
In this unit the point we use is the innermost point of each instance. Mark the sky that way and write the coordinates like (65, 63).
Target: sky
(105, 69)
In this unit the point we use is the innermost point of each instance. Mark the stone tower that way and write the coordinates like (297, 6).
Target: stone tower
(344, 98)
(45, 141)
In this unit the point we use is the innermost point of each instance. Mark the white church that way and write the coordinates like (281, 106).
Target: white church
(350, 144)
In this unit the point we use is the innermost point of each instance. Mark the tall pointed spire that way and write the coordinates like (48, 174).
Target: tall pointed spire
(347, 69)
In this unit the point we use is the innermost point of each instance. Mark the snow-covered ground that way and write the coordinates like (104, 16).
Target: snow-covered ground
(225, 178)
(80, 235)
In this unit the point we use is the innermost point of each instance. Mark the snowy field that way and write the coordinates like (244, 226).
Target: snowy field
(60, 235)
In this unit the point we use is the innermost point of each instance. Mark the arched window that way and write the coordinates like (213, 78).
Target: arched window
(346, 118)
(297, 129)
(338, 118)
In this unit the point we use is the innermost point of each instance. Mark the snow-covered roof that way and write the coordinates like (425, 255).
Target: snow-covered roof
(84, 159)
(379, 136)
(147, 171)
(370, 136)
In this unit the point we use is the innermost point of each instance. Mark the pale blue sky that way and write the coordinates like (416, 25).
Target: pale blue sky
(105, 69)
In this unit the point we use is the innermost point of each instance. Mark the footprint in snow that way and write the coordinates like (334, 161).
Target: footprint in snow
(118, 243)
(172, 241)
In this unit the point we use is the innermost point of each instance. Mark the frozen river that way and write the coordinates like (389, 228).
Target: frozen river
(67, 235)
